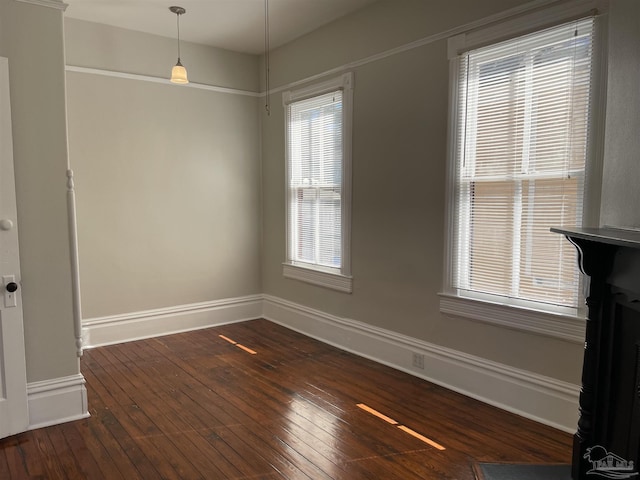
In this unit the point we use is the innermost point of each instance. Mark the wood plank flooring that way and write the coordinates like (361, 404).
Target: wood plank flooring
(200, 406)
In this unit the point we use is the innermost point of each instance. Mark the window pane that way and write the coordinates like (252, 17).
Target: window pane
(315, 172)
(521, 153)
(307, 221)
(548, 262)
(330, 225)
(491, 235)
(494, 134)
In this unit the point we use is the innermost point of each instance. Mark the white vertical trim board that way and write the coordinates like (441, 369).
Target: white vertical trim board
(540, 398)
(164, 321)
(75, 259)
(56, 401)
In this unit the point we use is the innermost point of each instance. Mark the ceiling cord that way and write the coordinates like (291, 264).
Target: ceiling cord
(267, 105)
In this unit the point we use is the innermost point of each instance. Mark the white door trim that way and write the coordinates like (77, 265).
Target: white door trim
(14, 415)
(57, 400)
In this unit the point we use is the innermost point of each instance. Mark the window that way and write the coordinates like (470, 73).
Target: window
(318, 128)
(520, 151)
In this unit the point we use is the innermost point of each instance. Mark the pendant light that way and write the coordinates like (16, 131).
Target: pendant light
(178, 72)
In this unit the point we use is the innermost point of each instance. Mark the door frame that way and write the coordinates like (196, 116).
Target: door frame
(13, 397)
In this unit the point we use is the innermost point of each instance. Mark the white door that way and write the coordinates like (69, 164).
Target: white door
(14, 416)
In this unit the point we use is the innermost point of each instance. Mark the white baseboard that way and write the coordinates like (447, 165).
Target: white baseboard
(55, 401)
(127, 327)
(540, 398)
(534, 396)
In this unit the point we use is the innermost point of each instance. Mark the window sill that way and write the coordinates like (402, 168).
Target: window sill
(334, 281)
(565, 327)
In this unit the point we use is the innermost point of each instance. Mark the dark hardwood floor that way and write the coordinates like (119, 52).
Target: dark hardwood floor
(276, 405)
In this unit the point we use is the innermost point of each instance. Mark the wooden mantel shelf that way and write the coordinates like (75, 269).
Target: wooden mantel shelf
(607, 235)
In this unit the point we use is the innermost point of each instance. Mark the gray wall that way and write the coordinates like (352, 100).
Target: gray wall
(620, 187)
(94, 45)
(167, 176)
(399, 160)
(32, 38)
(187, 162)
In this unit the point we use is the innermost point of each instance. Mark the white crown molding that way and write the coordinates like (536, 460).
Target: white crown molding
(436, 37)
(56, 401)
(492, 19)
(132, 326)
(165, 81)
(57, 4)
(538, 397)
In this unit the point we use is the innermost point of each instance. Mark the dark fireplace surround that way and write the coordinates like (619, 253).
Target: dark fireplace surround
(607, 439)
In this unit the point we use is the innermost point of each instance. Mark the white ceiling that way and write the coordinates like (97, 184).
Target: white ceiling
(231, 24)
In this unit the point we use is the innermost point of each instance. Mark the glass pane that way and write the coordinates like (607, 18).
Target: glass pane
(548, 262)
(307, 225)
(330, 225)
(522, 149)
(491, 236)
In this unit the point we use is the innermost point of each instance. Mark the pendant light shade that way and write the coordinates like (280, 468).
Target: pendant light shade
(178, 72)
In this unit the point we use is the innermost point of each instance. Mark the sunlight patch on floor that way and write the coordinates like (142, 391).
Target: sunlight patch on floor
(242, 347)
(405, 429)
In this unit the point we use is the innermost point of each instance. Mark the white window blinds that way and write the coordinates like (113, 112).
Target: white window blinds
(315, 163)
(521, 147)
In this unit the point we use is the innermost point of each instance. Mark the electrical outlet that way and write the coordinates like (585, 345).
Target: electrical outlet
(418, 360)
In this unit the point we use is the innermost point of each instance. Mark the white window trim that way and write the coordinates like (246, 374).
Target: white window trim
(335, 279)
(315, 276)
(558, 323)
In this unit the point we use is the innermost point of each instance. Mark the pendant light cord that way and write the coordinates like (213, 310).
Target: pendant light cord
(267, 105)
(178, 22)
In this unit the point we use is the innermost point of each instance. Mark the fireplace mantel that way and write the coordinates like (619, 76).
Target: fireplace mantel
(610, 394)
(610, 236)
